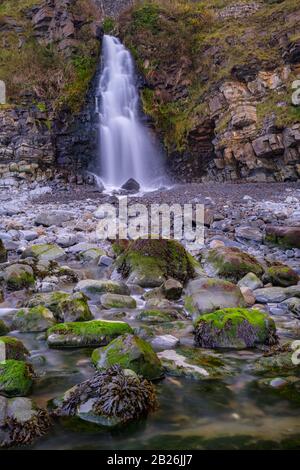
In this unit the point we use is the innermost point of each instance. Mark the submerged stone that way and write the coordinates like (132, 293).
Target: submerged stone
(117, 301)
(94, 289)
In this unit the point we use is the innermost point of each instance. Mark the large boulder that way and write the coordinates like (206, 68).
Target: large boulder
(281, 275)
(94, 289)
(21, 421)
(93, 333)
(13, 348)
(149, 263)
(65, 307)
(33, 319)
(15, 378)
(117, 301)
(131, 185)
(19, 276)
(130, 352)
(44, 252)
(205, 295)
(288, 237)
(110, 398)
(276, 294)
(57, 218)
(3, 253)
(231, 263)
(235, 328)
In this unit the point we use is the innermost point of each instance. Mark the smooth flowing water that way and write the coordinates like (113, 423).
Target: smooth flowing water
(127, 148)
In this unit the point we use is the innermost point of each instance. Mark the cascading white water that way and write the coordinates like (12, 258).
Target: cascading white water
(126, 148)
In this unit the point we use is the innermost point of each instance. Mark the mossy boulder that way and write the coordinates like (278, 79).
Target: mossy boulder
(278, 362)
(281, 275)
(3, 328)
(235, 328)
(94, 289)
(3, 253)
(93, 333)
(44, 252)
(172, 289)
(250, 281)
(288, 237)
(149, 263)
(92, 255)
(33, 319)
(15, 378)
(130, 352)
(231, 263)
(117, 301)
(206, 295)
(19, 276)
(64, 306)
(13, 348)
(157, 316)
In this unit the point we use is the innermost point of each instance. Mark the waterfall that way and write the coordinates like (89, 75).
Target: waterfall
(127, 149)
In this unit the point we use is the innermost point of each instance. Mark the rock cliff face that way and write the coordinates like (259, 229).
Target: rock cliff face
(46, 126)
(220, 86)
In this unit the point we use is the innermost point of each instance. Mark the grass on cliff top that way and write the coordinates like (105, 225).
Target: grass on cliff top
(29, 66)
(183, 45)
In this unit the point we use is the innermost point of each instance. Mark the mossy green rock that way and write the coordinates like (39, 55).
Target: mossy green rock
(44, 252)
(94, 289)
(94, 333)
(130, 352)
(13, 348)
(281, 275)
(231, 263)
(65, 307)
(33, 319)
(117, 301)
(15, 378)
(3, 253)
(91, 255)
(206, 295)
(280, 363)
(19, 276)
(157, 316)
(149, 263)
(235, 328)
(289, 237)
(3, 328)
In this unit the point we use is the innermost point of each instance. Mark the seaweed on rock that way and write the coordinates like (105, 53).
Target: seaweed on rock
(118, 394)
(24, 433)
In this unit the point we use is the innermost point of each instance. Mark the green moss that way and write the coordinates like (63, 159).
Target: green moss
(15, 378)
(236, 328)
(38, 318)
(108, 25)
(146, 17)
(157, 258)
(154, 316)
(22, 280)
(130, 352)
(91, 331)
(281, 275)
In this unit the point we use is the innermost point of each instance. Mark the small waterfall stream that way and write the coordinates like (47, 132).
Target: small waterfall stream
(127, 149)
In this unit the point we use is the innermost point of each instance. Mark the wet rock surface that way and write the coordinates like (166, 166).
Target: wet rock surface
(73, 304)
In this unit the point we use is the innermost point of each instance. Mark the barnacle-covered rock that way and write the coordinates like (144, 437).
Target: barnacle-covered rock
(110, 398)
(21, 422)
